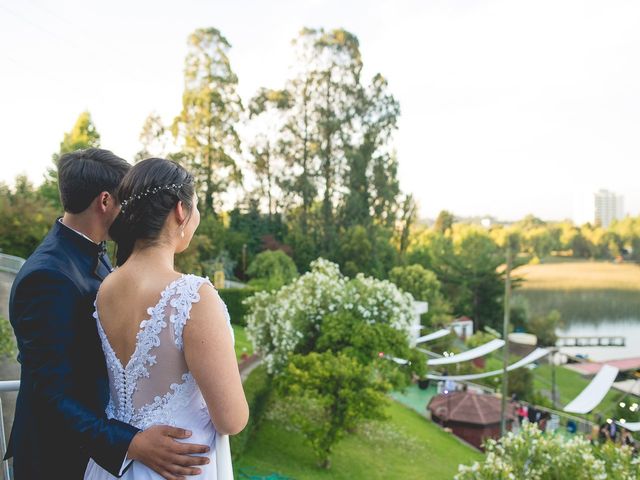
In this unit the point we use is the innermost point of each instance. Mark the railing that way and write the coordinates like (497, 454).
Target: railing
(10, 263)
(6, 386)
(591, 341)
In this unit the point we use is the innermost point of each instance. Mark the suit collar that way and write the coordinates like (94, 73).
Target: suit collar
(101, 267)
(79, 241)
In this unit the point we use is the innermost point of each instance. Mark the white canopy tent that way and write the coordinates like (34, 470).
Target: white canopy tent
(433, 336)
(480, 351)
(631, 426)
(593, 393)
(537, 354)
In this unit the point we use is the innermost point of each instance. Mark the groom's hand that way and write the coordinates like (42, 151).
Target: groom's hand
(159, 450)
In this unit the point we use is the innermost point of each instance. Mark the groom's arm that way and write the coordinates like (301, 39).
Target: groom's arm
(45, 304)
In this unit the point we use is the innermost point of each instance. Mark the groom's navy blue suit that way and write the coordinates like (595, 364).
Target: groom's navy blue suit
(60, 421)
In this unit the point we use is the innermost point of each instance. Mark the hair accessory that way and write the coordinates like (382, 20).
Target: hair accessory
(148, 191)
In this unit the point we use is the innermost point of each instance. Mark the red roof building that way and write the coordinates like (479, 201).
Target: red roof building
(471, 416)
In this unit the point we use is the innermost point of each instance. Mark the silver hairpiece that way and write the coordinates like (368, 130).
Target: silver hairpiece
(148, 191)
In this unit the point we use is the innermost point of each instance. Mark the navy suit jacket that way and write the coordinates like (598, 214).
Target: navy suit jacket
(60, 421)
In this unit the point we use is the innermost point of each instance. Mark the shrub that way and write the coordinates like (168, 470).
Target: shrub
(424, 286)
(7, 338)
(338, 392)
(544, 327)
(234, 299)
(271, 270)
(533, 455)
(257, 389)
(289, 320)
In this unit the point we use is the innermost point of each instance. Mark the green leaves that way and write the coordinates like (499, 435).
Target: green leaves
(532, 454)
(271, 270)
(331, 394)
(211, 109)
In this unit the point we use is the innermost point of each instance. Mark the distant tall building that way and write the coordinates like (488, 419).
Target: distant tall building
(608, 207)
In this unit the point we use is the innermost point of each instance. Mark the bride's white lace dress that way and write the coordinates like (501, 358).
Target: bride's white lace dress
(156, 387)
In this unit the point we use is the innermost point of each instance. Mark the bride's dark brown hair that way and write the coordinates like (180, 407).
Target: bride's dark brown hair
(148, 193)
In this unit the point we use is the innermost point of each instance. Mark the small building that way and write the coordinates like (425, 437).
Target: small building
(473, 417)
(463, 327)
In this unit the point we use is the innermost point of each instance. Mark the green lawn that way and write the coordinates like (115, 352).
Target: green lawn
(243, 345)
(406, 446)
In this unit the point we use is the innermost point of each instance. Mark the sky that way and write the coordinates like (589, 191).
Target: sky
(507, 107)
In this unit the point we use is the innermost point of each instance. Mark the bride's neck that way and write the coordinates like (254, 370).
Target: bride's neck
(159, 255)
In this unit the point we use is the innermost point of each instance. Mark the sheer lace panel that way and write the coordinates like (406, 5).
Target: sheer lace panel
(156, 381)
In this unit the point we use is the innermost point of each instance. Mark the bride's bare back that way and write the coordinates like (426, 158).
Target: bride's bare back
(161, 332)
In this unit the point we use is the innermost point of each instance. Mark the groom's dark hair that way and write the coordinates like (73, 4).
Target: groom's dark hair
(84, 174)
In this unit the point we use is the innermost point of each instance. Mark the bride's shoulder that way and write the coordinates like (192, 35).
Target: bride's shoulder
(110, 285)
(197, 281)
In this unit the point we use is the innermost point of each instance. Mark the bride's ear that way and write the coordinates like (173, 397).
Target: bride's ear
(180, 212)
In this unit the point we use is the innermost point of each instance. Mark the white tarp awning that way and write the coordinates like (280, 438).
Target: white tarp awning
(537, 354)
(592, 395)
(631, 426)
(480, 351)
(433, 336)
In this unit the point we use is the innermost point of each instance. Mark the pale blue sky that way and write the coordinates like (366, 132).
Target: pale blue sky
(508, 107)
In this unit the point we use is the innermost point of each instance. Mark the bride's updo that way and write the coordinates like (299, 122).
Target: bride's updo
(148, 193)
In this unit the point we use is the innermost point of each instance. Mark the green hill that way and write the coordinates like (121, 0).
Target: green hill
(407, 445)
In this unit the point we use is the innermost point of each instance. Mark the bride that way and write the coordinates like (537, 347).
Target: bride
(166, 336)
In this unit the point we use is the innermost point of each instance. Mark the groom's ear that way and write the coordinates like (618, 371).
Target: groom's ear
(105, 200)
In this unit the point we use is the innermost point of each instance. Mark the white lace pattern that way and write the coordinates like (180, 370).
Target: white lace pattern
(175, 303)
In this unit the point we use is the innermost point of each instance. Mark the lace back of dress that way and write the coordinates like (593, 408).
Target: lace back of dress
(165, 363)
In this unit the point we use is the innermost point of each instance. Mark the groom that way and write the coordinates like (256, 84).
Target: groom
(60, 421)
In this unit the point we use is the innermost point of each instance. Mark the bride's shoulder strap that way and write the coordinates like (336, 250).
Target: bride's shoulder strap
(187, 293)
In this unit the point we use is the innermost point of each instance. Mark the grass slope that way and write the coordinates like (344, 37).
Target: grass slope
(243, 345)
(580, 275)
(405, 446)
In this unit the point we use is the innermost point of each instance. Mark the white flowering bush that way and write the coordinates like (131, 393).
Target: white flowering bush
(289, 320)
(534, 455)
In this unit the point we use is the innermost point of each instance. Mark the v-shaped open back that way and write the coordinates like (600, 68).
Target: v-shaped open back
(155, 381)
(144, 324)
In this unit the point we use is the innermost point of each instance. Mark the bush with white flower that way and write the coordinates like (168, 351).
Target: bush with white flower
(535, 455)
(290, 319)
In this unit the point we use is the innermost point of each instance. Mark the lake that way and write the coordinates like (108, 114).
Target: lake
(592, 312)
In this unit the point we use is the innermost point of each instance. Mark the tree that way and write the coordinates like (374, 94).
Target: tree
(371, 177)
(409, 212)
(444, 222)
(355, 251)
(539, 241)
(333, 394)
(544, 327)
(467, 263)
(211, 108)
(82, 135)
(267, 110)
(335, 73)
(344, 377)
(154, 138)
(24, 218)
(424, 285)
(291, 319)
(271, 270)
